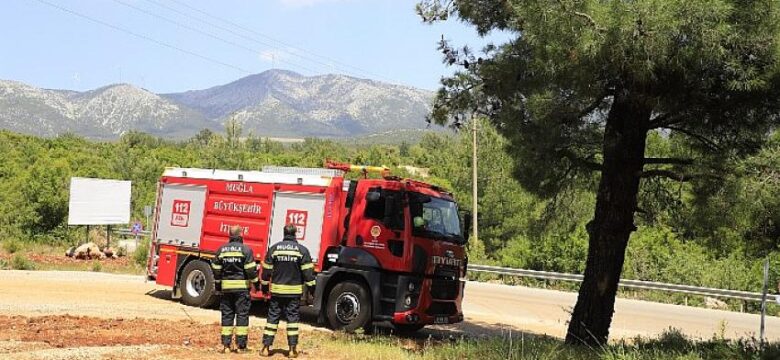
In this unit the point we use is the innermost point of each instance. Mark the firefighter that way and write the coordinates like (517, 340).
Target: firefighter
(286, 269)
(234, 269)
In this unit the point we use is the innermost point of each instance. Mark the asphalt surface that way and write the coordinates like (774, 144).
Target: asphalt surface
(489, 308)
(547, 312)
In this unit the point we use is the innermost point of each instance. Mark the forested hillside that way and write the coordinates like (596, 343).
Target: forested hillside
(717, 238)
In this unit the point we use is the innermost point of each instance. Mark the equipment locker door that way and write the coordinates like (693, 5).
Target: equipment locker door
(305, 211)
(181, 214)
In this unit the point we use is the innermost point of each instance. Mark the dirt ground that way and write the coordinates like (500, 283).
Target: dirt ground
(81, 337)
(69, 337)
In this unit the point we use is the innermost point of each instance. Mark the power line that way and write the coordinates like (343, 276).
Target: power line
(253, 51)
(246, 29)
(231, 31)
(141, 36)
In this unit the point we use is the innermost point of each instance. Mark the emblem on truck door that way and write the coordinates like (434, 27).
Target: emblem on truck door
(376, 231)
(374, 243)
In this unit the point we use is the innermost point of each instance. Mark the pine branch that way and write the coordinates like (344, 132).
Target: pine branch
(589, 19)
(666, 174)
(662, 121)
(580, 162)
(668, 161)
(701, 138)
(593, 106)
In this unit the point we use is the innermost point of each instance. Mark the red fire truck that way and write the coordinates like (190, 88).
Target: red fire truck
(387, 249)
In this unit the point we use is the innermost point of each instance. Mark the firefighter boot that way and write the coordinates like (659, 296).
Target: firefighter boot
(265, 351)
(293, 352)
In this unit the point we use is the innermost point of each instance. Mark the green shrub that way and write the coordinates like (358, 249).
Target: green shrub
(12, 246)
(19, 262)
(3, 264)
(96, 266)
(141, 253)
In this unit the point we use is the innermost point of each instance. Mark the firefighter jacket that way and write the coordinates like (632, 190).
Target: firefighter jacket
(234, 266)
(287, 267)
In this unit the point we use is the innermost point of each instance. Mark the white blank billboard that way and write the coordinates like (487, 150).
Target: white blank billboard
(98, 202)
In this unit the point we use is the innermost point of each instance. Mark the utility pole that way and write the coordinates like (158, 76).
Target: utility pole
(763, 301)
(474, 176)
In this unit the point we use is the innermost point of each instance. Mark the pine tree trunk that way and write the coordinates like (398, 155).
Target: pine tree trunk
(613, 221)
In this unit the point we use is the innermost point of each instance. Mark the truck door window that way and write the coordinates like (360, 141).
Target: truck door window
(435, 218)
(388, 209)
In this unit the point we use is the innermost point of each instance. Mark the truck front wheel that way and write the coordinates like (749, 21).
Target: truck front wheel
(349, 307)
(196, 284)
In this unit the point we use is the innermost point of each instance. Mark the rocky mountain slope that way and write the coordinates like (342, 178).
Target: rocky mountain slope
(272, 103)
(105, 113)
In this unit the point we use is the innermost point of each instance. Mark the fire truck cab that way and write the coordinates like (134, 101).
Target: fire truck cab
(387, 249)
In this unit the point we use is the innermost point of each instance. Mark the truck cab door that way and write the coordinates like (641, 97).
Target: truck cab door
(378, 221)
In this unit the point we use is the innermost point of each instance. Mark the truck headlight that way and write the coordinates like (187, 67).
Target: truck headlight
(411, 286)
(408, 301)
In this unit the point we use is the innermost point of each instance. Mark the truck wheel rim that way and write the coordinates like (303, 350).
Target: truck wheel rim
(347, 307)
(196, 282)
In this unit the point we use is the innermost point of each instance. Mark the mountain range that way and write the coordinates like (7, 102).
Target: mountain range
(276, 103)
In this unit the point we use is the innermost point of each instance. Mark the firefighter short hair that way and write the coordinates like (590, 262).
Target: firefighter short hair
(235, 230)
(290, 229)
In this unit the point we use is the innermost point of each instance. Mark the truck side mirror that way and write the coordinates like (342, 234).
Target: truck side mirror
(372, 196)
(465, 220)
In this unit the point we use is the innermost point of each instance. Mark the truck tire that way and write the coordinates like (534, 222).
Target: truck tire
(196, 284)
(349, 307)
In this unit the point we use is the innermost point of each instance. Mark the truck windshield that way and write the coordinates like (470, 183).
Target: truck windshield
(435, 218)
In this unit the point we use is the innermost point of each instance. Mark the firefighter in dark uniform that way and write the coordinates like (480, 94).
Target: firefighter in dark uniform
(287, 268)
(234, 269)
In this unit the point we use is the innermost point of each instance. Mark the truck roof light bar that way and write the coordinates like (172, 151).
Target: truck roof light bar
(302, 171)
(384, 171)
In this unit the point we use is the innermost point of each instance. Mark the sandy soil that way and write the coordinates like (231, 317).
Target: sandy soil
(80, 337)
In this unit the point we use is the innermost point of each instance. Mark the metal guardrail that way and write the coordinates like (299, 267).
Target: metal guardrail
(128, 232)
(634, 284)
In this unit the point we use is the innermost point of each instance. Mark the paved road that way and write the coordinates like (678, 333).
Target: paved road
(547, 311)
(489, 308)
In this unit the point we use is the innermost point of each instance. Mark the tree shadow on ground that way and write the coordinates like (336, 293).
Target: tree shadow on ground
(466, 329)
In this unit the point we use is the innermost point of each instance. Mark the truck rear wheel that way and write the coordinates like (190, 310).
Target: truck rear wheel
(349, 307)
(196, 284)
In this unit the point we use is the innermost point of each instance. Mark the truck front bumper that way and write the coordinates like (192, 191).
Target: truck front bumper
(417, 317)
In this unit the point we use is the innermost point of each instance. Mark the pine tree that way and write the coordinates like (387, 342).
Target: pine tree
(583, 82)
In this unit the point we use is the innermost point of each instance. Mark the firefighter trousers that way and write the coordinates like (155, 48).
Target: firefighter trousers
(277, 305)
(234, 307)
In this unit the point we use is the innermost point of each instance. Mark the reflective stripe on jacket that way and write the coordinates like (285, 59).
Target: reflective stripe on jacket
(288, 267)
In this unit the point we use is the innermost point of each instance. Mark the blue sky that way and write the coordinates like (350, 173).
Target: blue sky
(384, 40)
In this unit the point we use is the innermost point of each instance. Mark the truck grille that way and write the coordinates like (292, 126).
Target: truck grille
(445, 289)
(446, 271)
(441, 308)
